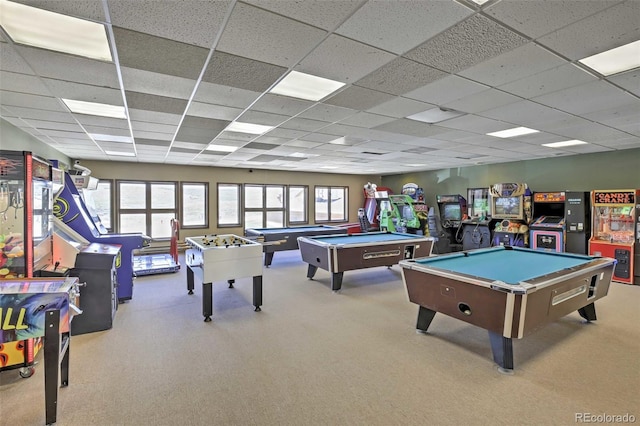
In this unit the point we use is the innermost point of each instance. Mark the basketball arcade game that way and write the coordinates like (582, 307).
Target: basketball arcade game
(614, 230)
(71, 209)
(511, 205)
(26, 205)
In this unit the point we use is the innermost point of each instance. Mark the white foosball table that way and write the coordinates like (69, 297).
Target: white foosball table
(223, 257)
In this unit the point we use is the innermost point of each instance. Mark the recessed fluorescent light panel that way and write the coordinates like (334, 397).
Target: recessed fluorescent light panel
(510, 133)
(254, 129)
(616, 60)
(120, 153)
(53, 31)
(564, 143)
(306, 86)
(435, 115)
(111, 138)
(93, 108)
(222, 148)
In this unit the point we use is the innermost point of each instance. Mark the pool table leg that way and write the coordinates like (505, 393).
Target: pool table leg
(207, 301)
(588, 312)
(425, 316)
(268, 258)
(502, 348)
(189, 280)
(257, 292)
(311, 271)
(336, 281)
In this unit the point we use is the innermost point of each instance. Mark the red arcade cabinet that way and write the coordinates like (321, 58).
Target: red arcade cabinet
(614, 230)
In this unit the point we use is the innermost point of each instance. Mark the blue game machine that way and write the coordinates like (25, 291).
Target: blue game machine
(70, 208)
(511, 207)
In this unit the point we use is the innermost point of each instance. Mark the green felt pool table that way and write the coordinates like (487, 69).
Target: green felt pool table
(509, 291)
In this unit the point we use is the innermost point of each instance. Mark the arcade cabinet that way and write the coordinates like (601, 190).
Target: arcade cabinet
(95, 266)
(613, 231)
(511, 206)
(547, 231)
(452, 209)
(400, 216)
(636, 279)
(577, 216)
(476, 228)
(420, 208)
(71, 209)
(26, 232)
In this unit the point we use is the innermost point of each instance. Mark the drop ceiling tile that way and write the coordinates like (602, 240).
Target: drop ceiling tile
(474, 124)
(595, 96)
(142, 126)
(224, 95)
(70, 68)
(315, 138)
(143, 101)
(482, 101)
(264, 36)
(11, 61)
(39, 114)
(116, 146)
(327, 14)
(548, 81)
(264, 118)
(520, 62)
(368, 120)
(84, 92)
(236, 136)
(189, 21)
(94, 120)
(63, 134)
(400, 76)
(470, 42)
(188, 146)
(230, 70)
(400, 26)
(359, 98)
(196, 135)
(200, 109)
(628, 80)
(112, 131)
(281, 104)
(142, 134)
(410, 127)
(328, 113)
(150, 53)
(304, 124)
(261, 146)
(25, 100)
(536, 19)
(152, 83)
(445, 90)
(153, 116)
(53, 125)
(584, 38)
(525, 113)
(400, 107)
(339, 58)
(22, 83)
(592, 132)
(204, 123)
(87, 9)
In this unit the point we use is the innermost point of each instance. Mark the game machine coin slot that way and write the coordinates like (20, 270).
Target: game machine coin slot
(452, 208)
(614, 230)
(476, 227)
(547, 231)
(511, 207)
(26, 212)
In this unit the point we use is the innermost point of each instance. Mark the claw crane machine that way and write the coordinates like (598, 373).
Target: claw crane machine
(613, 232)
(26, 237)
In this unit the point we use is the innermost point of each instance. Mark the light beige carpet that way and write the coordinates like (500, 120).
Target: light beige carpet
(314, 357)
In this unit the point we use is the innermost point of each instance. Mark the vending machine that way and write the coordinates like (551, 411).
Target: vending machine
(614, 230)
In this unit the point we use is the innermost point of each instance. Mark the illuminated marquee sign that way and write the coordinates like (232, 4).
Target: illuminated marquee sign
(613, 197)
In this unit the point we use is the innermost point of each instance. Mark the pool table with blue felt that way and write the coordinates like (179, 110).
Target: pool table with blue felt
(509, 291)
(347, 252)
(282, 239)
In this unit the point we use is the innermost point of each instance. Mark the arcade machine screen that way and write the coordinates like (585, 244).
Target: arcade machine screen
(480, 207)
(452, 212)
(508, 208)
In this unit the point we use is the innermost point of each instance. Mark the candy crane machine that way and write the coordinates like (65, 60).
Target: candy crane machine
(614, 230)
(26, 236)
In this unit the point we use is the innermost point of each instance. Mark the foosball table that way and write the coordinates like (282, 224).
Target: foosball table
(223, 257)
